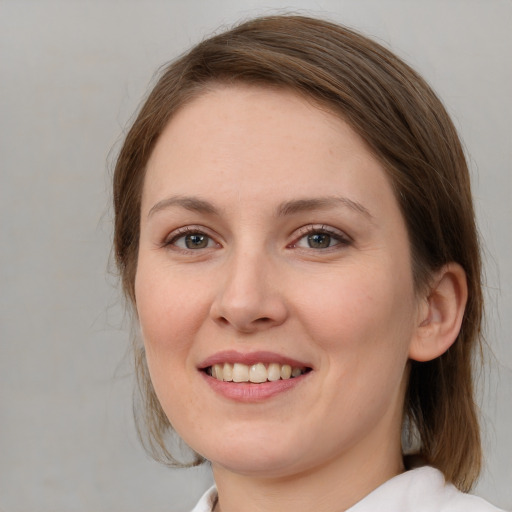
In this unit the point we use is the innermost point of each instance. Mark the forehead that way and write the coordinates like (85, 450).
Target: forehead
(244, 142)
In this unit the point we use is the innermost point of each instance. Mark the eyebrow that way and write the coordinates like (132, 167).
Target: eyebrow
(321, 203)
(292, 207)
(191, 203)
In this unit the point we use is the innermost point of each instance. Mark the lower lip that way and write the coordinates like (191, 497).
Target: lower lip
(250, 392)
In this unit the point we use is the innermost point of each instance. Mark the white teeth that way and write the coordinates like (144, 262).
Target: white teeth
(257, 373)
(227, 372)
(296, 372)
(286, 371)
(274, 372)
(240, 373)
(217, 371)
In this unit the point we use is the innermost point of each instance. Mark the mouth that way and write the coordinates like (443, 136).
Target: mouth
(257, 373)
(253, 377)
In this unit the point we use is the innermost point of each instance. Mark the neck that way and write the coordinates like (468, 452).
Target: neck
(335, 486)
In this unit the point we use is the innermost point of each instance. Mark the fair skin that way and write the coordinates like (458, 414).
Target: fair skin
(271, 237)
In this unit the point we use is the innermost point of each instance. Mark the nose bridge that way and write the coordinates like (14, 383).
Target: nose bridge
(249, 297)
(246, 271)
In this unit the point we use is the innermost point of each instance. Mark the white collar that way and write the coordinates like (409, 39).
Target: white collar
(205, 504)
(420, 490)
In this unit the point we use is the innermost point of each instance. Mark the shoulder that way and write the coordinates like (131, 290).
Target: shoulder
(422, 490)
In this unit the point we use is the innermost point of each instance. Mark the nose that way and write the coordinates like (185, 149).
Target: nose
(250, 298)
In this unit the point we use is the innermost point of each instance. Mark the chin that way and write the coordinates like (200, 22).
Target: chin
(255, 454)
(258, 463)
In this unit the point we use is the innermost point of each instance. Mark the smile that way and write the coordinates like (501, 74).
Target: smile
(256, 373)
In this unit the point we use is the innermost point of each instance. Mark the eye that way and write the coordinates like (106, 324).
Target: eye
(190, 239)
(320, 238)
(194, 241)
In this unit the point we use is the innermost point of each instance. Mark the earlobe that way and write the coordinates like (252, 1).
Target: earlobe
(440, 315)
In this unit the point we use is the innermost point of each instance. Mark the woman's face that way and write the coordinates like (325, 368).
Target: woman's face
(271, 242)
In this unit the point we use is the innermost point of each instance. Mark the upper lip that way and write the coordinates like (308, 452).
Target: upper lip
(250, 358)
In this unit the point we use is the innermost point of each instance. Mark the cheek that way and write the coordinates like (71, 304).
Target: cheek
(167, 304)
(360, 310)
(168, 317)
(363, 325)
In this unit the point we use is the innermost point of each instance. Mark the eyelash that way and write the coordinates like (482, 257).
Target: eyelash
(341, 238)
(182, 233)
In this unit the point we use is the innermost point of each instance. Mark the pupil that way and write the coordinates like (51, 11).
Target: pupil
(319, 240)
(196, 241)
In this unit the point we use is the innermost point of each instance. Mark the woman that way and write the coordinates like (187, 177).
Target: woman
(295, 229)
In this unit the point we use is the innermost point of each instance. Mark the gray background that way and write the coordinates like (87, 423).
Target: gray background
(72, 73)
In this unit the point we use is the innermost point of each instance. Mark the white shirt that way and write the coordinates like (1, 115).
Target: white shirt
(418, 490)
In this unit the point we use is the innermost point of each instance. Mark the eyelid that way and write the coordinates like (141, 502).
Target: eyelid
(309, 229)
(176, 234)
(170, 239)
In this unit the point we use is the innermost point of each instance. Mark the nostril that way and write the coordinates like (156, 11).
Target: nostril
(247, 316)
(263, 320)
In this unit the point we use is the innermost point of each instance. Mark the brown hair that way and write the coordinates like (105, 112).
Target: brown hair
(408, 130)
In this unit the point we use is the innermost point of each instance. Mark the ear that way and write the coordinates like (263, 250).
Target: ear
(440, 314)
